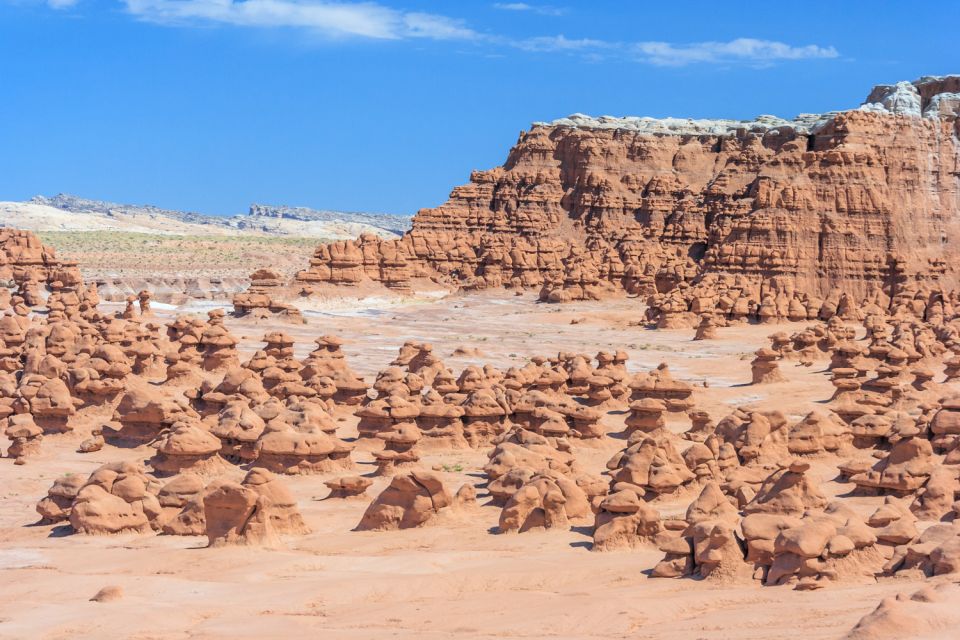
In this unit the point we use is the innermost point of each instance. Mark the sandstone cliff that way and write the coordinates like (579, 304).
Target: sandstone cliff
(854, 201)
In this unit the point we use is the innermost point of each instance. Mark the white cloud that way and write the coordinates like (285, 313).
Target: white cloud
(358, 19)
(744, 51)
(560, 43)
(377, 21)
(544, 10)
(741, 50)
(428, 25)
(61, 4)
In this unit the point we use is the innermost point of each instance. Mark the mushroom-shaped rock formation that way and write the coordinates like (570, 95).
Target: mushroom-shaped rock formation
(936, 499)
(282, 509)
(625, 520)
(400, 451)
(254, 512)
(935, 552)
(600, 390)
(547, 500)
(410, 500)
(702, 426)
(239, 428)
(646, 416)
(710, 545)
(24, 435)
(259, 300)
(660, 385)
(117, 498)
(818, 432)
(755, 436)
(56, 505)
(219, 348)
(440, 424)
(870, 430)
(787, 491)
(945, 425)
(819, 547)
(182, 502)
(650, 466)
(187, 446)
(285, 449)
(394, 381)
(144, 411)
(328, 361)
(531, 452)
(238, 383)
(760, 530)
(707, 329)
(384, 414)
(712, 504)
(764, 368)
(893, 522)
(348, 487)
(717, 551)
(49, 401)
(906, 468)
(548, 422)
(484, 417)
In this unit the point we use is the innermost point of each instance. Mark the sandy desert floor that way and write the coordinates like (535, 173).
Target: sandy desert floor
(452, 578)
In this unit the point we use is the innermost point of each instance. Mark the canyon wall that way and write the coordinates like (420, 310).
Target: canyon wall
(855, 201)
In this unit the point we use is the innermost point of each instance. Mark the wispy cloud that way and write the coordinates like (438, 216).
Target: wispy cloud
(61, 4)
(561, 43)
(359, 19)
(372, 20)
(741, 50)
(744, 51)
(542, 9)
(428, 25)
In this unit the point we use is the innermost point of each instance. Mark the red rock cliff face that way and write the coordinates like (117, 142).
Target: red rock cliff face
(875, 196)
(860, 201)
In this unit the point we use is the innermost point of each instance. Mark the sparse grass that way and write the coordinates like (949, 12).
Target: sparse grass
(140, 254)
(453, 468)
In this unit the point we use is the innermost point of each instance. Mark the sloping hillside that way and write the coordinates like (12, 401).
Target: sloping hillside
(65, 212)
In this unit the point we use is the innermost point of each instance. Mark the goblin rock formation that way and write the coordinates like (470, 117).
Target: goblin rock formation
(840, 462)
(26, 262)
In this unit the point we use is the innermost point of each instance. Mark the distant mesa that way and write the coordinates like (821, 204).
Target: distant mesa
(397, 224)
(76, 204)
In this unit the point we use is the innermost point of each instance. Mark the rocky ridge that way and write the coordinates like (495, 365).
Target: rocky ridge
(76, 204)
(859, 202)
(43, 213)
(388, 222)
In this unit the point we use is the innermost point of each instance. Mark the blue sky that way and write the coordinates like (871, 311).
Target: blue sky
(209, 105)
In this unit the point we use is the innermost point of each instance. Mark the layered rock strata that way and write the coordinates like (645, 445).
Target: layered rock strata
(781, 218)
